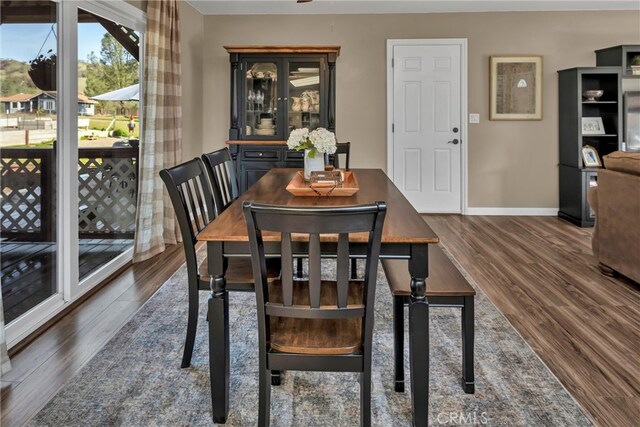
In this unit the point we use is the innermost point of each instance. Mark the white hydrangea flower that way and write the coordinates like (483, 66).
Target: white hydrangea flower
(323, 140)
(297, 137)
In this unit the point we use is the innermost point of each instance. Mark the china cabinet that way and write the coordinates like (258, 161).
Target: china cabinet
(275, 89)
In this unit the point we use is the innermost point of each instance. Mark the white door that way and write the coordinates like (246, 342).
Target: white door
(427, 131)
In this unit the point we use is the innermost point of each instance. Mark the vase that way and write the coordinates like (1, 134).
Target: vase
(310, 165)
(305, 105)
(296, 106)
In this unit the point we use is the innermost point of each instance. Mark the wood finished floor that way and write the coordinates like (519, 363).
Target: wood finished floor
(541, 274)
(55, 356)
(539, 271)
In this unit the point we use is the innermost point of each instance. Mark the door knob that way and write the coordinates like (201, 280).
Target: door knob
(454, 142)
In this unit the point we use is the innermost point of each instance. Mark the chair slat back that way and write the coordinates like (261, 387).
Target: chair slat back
(341, 148)
(222, 174)
(191, 197)
(314, 222)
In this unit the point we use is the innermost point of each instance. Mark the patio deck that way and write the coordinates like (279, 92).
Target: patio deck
(27, 268)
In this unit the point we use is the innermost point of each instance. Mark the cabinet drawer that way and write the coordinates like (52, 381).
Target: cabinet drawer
(294, 155)
(261, 154)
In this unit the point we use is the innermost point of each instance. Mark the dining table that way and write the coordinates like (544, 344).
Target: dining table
(405, 236)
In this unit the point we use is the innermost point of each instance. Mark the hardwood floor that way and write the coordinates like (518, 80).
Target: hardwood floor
(541, 274)
(51, 359)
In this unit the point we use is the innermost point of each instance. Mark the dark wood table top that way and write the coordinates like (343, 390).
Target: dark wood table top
(403, 224)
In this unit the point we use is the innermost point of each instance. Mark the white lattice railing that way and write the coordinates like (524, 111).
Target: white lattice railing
(107, 193)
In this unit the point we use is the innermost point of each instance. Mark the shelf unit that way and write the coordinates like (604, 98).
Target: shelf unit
(575, 179)
(619, 56)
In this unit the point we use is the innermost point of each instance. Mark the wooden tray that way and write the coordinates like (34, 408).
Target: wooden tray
(299, 187)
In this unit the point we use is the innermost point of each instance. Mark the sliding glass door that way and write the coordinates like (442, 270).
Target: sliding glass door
(108, 139)
(69, 146)
(28, 166)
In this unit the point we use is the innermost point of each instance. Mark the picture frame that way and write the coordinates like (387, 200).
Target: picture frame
(515, 87)
(592, 126)
(590, 157)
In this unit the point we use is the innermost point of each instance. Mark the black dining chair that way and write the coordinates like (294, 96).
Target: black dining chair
(193, 203)
(314, 325)
(334, 160)
(223, 178)
(341, 148)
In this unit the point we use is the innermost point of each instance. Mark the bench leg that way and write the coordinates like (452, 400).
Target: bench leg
(276, 377)
(398, 342)
(299, 275)
(468, 381)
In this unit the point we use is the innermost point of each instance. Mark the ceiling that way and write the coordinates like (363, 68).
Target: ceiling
(290, 7)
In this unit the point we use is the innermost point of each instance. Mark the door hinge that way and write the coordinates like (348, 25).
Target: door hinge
(393, 127)
(392, 62)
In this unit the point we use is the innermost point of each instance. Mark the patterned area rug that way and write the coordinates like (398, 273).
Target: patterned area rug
(136, 380)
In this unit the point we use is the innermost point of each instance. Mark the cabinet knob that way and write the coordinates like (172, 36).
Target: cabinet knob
(285, 99)
(260, 154)
(279, 99)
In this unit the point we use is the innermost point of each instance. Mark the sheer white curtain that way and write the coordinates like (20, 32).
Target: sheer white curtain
(162, 139)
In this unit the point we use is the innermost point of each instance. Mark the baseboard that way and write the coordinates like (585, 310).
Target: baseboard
(513, 211)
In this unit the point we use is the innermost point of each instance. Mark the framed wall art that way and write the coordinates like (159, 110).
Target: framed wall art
(515, 88)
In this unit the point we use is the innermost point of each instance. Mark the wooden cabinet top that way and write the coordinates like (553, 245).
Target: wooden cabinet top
(283, 49)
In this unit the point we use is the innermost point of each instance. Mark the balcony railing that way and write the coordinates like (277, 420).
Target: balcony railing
(107, 193)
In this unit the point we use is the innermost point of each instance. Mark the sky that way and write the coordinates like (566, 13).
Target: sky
(22, 41)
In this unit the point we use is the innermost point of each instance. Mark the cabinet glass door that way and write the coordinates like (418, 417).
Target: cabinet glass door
(304, 86)
(261, 100)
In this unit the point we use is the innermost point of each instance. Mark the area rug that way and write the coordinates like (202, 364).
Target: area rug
(136, 380)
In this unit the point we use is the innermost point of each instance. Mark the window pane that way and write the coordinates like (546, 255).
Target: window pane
(304, 95)
(262, 99)
(28, 246)
(108, 139)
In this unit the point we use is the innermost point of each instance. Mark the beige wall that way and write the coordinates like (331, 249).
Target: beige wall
(191, 45)
(511, 164)
(192, 41)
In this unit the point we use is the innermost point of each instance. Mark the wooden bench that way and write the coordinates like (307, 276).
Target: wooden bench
(446, 287)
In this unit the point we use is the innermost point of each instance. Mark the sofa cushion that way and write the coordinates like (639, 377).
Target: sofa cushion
(623, 162)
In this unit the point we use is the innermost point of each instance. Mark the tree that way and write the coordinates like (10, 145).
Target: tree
(114, 69)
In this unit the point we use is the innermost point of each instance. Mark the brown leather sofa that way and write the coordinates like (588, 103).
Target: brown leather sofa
(616, 201)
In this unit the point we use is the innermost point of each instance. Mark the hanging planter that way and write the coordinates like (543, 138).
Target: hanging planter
(43, 71)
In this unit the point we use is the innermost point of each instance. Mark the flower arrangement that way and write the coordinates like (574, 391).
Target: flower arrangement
(317, 141)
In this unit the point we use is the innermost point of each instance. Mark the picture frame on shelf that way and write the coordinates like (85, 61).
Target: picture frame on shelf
(592, 126)
(590, 157)
(515, 87)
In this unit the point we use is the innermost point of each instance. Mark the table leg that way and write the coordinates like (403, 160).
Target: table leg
(468, 381)
(219, 366)
(419, 335)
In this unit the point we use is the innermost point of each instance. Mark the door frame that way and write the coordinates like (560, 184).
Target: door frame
(462, 43)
